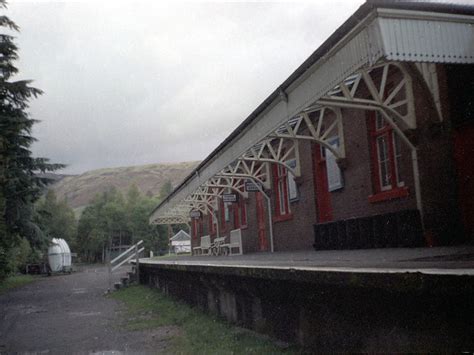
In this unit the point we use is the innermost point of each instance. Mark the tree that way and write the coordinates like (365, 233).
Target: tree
(111, 218)
(165, 190)
(20, 184)
(104, 222)
(56, 219)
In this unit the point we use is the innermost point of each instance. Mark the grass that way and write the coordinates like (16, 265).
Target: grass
(200, 333)
(15, 281)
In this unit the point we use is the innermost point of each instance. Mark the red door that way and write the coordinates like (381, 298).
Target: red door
(262, 238)
(464, 157)
(235, 209)
(323, 196)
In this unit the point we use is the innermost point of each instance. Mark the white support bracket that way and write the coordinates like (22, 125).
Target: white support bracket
(430, 75)
(386, 85)
(235, 184)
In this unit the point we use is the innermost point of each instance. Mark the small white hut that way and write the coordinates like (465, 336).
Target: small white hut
(181, 242)
(59, 256)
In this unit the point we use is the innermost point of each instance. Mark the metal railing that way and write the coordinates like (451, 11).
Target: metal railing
(126, 256)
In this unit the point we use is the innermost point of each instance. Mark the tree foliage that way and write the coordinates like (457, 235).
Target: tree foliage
(114, 220)
(56, 219)
(165, 190)
(20, 186)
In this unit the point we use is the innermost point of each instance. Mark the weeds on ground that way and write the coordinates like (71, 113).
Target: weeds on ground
(15, 281)
(201, 333)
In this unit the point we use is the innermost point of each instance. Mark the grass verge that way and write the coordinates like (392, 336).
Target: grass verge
(15, 281)
(200, 333)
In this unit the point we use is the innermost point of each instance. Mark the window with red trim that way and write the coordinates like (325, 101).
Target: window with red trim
(280, 185)
(386, 160)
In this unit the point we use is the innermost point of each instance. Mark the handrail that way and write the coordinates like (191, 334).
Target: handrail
(126, 251)
(133, 251)
(127, 259)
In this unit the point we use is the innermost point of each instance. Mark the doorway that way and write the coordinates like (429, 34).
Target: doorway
(464, 158)
(323, 196)
(262, 235)
(461, 107)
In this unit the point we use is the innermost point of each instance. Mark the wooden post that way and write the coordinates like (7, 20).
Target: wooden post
(137, 264)
(169, 239)
(109, 264)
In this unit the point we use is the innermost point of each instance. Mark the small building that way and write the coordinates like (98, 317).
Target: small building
(181, 242)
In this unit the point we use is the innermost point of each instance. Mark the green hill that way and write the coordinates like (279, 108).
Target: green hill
(79, 190)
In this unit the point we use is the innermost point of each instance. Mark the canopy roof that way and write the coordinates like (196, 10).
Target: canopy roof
(380, 30)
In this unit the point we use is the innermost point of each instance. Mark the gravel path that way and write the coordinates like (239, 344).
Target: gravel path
(66, 314)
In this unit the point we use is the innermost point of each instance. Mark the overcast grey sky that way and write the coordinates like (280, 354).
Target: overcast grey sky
(131, 83)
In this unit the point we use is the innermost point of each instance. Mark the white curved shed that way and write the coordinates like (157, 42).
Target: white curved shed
(59, 255)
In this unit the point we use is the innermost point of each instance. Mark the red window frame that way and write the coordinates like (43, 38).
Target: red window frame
(385, 156)
(280, 186)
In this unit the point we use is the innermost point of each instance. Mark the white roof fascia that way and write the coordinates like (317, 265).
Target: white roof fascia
(411, 36)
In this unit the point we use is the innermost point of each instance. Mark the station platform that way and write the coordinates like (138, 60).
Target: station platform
(454, 260)
(394, 300)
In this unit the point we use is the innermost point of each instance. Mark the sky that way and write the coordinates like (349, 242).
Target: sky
(144, 82)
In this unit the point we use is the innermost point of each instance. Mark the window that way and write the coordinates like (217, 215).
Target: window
(227, 206)
(386, 160)
(280, 184)
(334, 174)
(292, 187)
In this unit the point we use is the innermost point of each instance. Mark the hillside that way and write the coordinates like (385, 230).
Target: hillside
(79, 190)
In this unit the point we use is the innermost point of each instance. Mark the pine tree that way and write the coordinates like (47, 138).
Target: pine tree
(20, 186)
(165, 190)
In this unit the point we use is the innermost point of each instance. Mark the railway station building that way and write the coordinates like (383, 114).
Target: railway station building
(368, 144)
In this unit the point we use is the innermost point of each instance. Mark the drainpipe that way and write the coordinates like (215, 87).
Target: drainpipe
(416, 175)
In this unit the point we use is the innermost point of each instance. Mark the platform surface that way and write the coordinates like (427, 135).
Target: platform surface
(458, 260)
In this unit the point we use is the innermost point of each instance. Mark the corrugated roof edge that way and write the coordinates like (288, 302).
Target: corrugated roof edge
(451, 7)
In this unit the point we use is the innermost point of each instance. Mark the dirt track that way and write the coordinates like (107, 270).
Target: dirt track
(68, 314)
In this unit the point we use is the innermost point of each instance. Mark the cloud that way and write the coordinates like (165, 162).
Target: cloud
(130, 83)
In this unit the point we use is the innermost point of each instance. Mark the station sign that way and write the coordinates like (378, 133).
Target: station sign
(251, 186)
(229, 197)
(195, 214)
